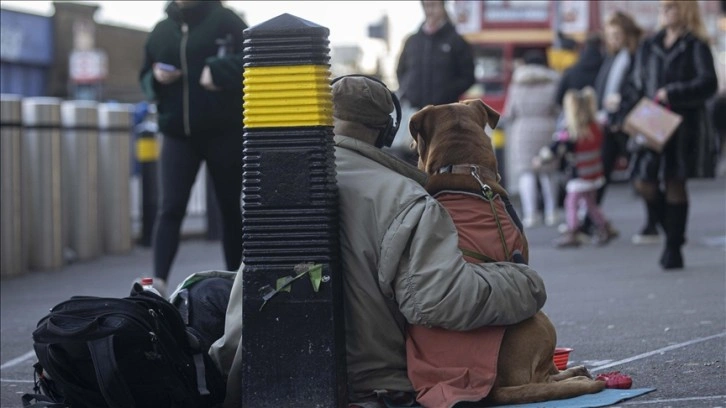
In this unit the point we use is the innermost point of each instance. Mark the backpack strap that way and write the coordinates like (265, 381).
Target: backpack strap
(201, 372)
(41, 401)
(46, 358)
(110, 381)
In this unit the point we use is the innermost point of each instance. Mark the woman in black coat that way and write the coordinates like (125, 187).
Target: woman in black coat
(675, 68)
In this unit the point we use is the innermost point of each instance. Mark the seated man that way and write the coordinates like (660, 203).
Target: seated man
(400, 259)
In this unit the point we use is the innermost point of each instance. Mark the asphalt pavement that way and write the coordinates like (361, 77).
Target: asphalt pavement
(613, 305)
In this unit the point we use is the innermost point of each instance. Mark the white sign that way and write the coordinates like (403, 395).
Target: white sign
(87, 66)
(513, 11)
(467, 16)
(574, 16)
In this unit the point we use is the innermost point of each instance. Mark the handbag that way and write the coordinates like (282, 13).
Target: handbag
(651, 124)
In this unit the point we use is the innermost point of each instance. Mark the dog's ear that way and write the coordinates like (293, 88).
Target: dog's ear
(421, 145)
(491, 117)
(416, 128)
(415, 124)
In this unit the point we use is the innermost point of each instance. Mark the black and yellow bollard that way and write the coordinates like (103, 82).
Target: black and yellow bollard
(147, 155)
(293, 334)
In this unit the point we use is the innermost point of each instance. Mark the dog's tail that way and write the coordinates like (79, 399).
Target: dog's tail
(537, 392)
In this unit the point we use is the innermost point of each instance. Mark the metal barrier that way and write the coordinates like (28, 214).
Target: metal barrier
(114, 148)
(65, 173)
(79, 179)
(41, 173)
(13, 257)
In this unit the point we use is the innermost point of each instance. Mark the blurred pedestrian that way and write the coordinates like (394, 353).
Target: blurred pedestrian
(436, 66)
(622, 37)
(581, 145)
(583, 72)
(531, 115)
(193, 70)
(675, 68)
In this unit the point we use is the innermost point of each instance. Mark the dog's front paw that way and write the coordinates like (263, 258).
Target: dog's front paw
(580, 371)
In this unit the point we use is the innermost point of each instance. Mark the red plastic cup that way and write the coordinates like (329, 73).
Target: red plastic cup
(562, 356)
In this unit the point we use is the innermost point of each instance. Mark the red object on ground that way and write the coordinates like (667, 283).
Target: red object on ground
(562, 355)
(616, 380)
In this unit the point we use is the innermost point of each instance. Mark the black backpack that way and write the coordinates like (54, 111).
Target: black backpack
(125, 353)
(202, 300)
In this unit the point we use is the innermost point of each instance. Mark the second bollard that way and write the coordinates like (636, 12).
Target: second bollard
(79, 147)
(41, 168)
(114, 148)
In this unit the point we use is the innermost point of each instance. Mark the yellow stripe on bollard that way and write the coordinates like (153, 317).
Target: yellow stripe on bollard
(147, 150)
(498, 138)
(287, 96)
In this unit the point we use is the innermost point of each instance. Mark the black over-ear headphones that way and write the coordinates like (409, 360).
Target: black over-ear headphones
(388, 132)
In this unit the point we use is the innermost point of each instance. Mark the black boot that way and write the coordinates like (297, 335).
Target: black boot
(676, 217)
(656, 211)
(654, 219)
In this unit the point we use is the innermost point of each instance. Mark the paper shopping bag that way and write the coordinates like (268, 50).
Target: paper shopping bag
(651, 124)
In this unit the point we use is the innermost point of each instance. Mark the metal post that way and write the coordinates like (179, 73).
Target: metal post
(79, 179)
(293, 336)
(115, 124)
(41, 168)
(13, 257)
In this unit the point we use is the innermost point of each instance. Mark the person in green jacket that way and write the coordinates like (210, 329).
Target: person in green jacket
(400, 260)
(193, 71)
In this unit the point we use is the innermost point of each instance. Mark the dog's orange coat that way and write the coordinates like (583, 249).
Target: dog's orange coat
(455, 134)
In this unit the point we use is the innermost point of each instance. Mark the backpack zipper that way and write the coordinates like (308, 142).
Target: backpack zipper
(185, 82)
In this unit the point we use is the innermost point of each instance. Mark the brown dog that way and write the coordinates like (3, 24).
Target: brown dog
(452, 137)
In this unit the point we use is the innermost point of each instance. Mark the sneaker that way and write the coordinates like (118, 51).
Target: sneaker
(568, 240)
(605, 235)
(647, 236)
(612, 230)
(529, 222)
(551, 220)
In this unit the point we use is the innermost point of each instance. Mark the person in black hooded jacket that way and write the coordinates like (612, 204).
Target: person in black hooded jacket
(436, 65)
(583, 72)
(193, 71)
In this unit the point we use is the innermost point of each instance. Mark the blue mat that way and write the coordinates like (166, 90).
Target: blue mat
(608, 396)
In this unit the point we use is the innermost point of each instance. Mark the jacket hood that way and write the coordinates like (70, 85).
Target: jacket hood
(383, 158)
(528, 74)
(193, 13)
